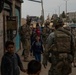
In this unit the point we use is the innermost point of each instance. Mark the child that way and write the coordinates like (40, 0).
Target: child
(38, 31)
(11, 63)
(37, 48)
(34, 68)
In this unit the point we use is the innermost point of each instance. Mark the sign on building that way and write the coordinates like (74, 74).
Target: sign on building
(11, 23)
(11, 27)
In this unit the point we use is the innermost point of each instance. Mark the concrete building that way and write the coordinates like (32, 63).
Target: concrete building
(71, 15)
(11, 8)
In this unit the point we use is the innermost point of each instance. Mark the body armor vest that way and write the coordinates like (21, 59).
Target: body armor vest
(62, 41)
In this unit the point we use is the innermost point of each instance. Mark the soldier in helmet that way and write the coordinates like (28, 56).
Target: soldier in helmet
(45, 32)
(59, 49)
(25, 33)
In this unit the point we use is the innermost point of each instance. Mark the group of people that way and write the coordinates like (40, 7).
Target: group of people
(60, 48)
(31, 41)
(57, 46)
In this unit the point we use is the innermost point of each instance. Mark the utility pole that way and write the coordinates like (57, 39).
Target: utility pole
(13, 7)
(59, 10)
(41, 7)
(66, 5)
(55, 11)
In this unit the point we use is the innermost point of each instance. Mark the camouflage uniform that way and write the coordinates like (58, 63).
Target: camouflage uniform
(25, 33)
(73, 30)
(45, 34)
(59, 59)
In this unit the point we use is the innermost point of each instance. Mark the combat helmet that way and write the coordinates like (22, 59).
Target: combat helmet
(47, 22)
(58, 22)
(28, 19)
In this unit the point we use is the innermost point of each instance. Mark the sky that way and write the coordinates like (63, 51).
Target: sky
(50, 7)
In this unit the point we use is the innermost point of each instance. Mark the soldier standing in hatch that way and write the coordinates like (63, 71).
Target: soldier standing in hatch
(61, 52)
(25, 33)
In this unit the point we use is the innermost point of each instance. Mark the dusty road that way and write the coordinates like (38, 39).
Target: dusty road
(45, 71)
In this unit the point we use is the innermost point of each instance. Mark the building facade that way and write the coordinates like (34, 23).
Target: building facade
(71, 15)
(11, 8)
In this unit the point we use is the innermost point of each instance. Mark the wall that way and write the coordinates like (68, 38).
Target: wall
(1, 35)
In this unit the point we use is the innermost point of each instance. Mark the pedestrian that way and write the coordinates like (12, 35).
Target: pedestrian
(59, 48)
(25, 34)
(33, 35)
(37, 48)
(11, 63)
(38, 31)
(45, 32)
(34, 68)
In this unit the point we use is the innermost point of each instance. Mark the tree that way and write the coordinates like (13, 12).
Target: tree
(63, 15)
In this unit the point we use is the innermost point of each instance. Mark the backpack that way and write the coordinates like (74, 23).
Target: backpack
(63, 41)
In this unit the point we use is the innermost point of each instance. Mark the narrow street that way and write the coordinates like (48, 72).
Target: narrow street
(43, 71)
(21, 20)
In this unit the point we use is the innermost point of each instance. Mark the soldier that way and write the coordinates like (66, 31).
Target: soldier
(45, 32)
(60, 47)
(25, 33)
(73, 30)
